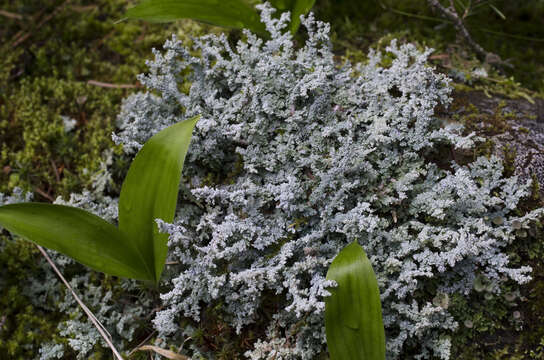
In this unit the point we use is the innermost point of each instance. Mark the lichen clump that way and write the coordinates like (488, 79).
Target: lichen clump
(294, 158)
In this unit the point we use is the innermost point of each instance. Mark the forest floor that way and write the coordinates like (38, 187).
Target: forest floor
(74, 60)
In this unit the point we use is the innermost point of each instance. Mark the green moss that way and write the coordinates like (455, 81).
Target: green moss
(45, 76)
(502, 336)
(37, 153)
(510, 155)
(486, 124)
(218, 340)
(535, 189)
(494, 333)
(23, 327)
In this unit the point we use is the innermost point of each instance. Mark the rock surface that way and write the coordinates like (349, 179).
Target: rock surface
(515, 127)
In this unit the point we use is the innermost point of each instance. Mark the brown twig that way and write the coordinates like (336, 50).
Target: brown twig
(112, 86)
(44, 194)
(172, 263)
(11, 15)
(99, 42)
(33, 19)
(55, 170)
(20, 37)
(166, 353)
(451, 14)
(142, 343)
(81, 9)
(153, 311)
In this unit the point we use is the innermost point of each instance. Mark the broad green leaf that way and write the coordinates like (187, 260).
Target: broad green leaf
(296, 7)
(76, 233)
(353, 314)
(150, 191)
(227, 13)
(283, 5)
(300, 7)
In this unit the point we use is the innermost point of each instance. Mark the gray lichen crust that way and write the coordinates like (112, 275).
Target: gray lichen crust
(294, 158)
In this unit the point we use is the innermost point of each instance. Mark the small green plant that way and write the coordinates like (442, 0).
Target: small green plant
(135, 249)
(238, 14)
(353, 312)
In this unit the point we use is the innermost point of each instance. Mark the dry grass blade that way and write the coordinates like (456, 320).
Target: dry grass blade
(163, 352)
(112, 86)
(103, 332)
(141, 344)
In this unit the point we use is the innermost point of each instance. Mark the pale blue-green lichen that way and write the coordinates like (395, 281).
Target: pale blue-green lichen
(330, 155)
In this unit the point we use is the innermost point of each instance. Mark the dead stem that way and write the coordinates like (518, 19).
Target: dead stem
(451, 14)
(101, 329)
(112, 86)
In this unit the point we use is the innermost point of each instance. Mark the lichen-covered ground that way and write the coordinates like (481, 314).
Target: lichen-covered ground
(65, 66)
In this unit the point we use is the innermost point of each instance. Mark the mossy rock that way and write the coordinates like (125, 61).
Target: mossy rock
(512, 128)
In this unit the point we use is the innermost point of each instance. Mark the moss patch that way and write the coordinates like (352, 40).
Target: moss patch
(61, 64)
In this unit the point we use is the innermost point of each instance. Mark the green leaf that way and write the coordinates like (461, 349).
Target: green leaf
(150, 191)
(76, 233)
(300, 7)
(282, 5)
(296, 7)
(226, 13)
(353, 314)
(135, 250)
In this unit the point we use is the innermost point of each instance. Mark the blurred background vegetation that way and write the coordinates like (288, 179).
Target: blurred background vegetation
(66, 65)
(516, 36)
